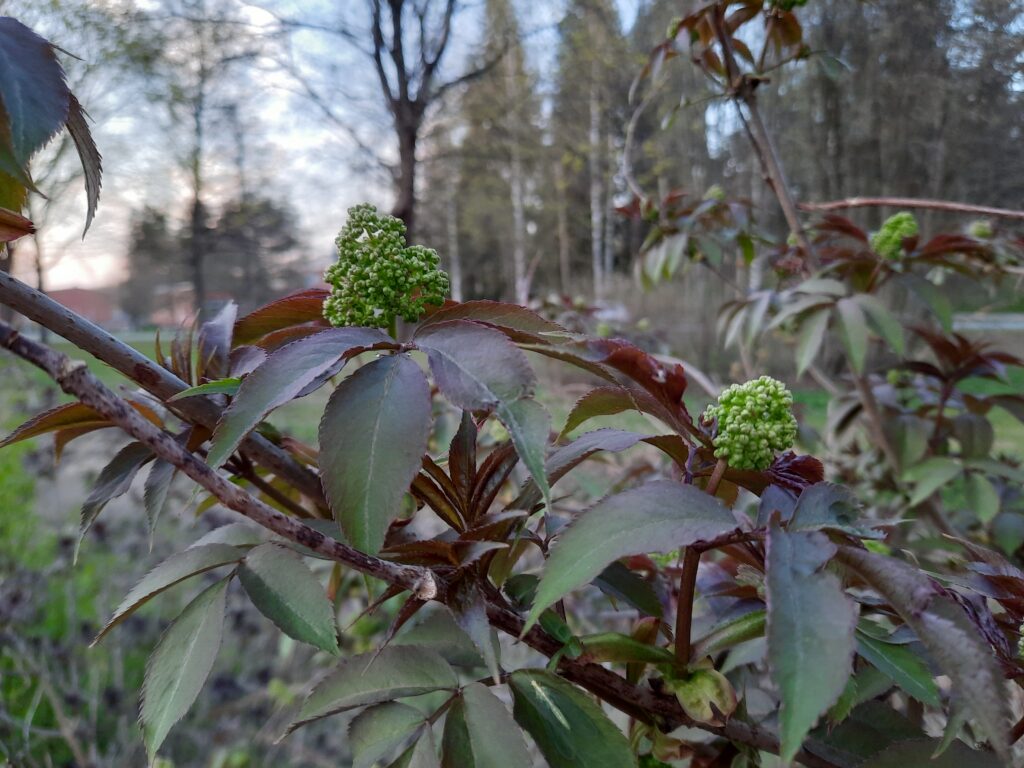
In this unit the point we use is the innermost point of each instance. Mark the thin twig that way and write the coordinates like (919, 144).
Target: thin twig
(913, 202)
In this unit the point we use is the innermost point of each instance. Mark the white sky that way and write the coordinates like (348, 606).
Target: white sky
(294, 155)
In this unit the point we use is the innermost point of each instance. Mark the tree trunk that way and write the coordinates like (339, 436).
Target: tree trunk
(596, 195)
(454, 259)
(405, 182)
(521, 281)
(607, 252)
(564, 265)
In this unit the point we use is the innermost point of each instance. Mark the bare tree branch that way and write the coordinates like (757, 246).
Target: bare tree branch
(913, 202)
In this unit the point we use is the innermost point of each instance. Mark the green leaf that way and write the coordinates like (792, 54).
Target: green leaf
(34, 95)
(371, 678)
(173, 570)
(812, 334)
(822, 285)
(660, 516)
(619, 582)
(154, 495)
(810, 633)
(981, 497)
(934, 297)
(943, 628)
(868, 730)
(286, 592)
(480, 733)
(378, 731)
(227, 386)
(826, 506)
(529, 426)
(373, 436)
(918, 752)
(115, 479)
(901, 665)
(469, 608)
(568, 727)
(853, 331)
(283, 375)
(729, 633)
(438, 631)
(883, 321)
(930, 475)
(422, 754)
(180, 664)
(236, 534)
(704, 693)
(476, 367)
(616, 647)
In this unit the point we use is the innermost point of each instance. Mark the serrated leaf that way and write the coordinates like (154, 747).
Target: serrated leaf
(283, 375)
(115, 479)
(480, 733)
(950, 639)
(853, 332)
(810, 632)
(292, 310)
(175, 569)
(394, 672)
(469, 608)
(438, 631)
(286, 592)
(507, 317)
(568, 727)
(376, 732)
(660, 516)
(373, 436)
(180, 664)
(901, 665)
(981, 497)
(826, 506)
(601, 401)
(476, 367)
(154, 495)
(812, 334)
(88, 155)
(883, 321)
(33, 92)
(529, 426)
(61, 417)
(235, 534)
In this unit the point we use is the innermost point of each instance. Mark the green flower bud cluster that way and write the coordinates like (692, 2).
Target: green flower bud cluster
(888, 241)
(981, 229)
(755, 421)
(377, 277)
